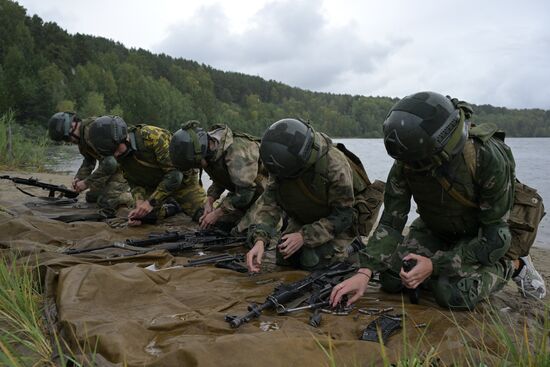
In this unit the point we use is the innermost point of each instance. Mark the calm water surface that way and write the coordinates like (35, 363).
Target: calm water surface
(532, 167)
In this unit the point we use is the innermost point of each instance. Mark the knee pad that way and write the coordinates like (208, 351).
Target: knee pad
(494, 243)
(460, 295)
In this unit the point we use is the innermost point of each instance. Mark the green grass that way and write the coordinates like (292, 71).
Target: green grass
(23, 341)
(501, 341)
(18, 151)
(24, 338)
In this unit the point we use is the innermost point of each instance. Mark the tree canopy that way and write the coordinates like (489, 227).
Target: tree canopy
(43, 69)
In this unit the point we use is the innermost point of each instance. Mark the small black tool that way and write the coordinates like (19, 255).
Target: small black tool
(414, 294)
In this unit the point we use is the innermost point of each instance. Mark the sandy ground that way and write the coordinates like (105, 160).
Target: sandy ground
(25, 226)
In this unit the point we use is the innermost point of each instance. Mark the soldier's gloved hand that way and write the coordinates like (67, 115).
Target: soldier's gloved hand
(143, 207)
(254, 257)
(291, 243)
(417, 275)
(356, 285)
(75, 180)
(80, 186)
(206, 220)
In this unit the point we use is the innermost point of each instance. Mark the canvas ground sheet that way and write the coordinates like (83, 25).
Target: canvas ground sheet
(108, 304)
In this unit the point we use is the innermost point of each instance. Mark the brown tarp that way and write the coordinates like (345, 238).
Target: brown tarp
(129, 315)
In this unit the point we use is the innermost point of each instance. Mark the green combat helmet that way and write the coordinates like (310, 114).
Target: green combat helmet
(286, 148)
(59, 126)
(106, 134)
(425, 129)
(188, 146)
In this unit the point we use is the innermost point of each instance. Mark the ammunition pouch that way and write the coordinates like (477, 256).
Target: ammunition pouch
(525, 216)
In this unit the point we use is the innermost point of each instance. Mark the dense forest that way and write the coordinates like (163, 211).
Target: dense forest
(43, 69)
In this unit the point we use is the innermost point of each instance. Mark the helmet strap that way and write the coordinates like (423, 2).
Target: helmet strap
(449, 150)
(128, 151)
(196, 146)
(72, 131)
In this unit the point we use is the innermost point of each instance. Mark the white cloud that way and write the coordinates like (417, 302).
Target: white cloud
(290, 41)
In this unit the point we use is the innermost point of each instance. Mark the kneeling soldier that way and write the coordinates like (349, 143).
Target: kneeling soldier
(325, 193)
(142, 153)
(232, 160)
(460, 247)
(107, 187)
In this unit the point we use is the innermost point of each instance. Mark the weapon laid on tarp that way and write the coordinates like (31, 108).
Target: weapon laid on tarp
(62, 190)
(210, 236)
(381, 328)
(288, 292)
(192, 240)
(317, 300)
(224, 261)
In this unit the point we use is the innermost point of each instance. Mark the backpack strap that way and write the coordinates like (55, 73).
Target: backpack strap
(449, 189)
(470, 157)
(355, 163)
(307, 192)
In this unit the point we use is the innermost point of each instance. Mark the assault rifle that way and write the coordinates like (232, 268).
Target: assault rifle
(46, 186)
(224, 261)
(174, 242)
(288, 292)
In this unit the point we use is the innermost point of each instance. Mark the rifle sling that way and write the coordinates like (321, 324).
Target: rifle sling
(26, 192)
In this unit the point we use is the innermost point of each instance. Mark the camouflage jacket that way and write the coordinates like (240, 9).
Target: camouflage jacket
(86, 171)
(461, 233)
(235, 167)
(340, 200)
(147, 167)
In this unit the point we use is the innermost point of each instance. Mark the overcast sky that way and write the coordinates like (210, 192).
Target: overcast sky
(484, 51)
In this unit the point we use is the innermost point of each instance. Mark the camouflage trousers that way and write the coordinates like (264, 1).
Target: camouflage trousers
(114, 194)
(237, 221)
(473, 284)
(190, 198)
(313, 258)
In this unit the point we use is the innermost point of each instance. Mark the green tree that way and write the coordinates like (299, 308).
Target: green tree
(52, 85)
(93, 105)
(65, 105)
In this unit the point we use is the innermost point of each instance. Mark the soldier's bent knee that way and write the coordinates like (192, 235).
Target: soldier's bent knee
(391, 282)
(92, 196)
(462, 294)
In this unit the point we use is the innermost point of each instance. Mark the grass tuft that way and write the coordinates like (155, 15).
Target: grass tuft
(24, 340)
(16, 150)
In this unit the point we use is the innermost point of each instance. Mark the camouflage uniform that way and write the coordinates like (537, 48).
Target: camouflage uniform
(106, 184)
(319, 204)
(235, 167)
(466, 244)
(149, 171)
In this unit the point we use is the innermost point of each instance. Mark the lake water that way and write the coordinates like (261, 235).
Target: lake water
(532, 167)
